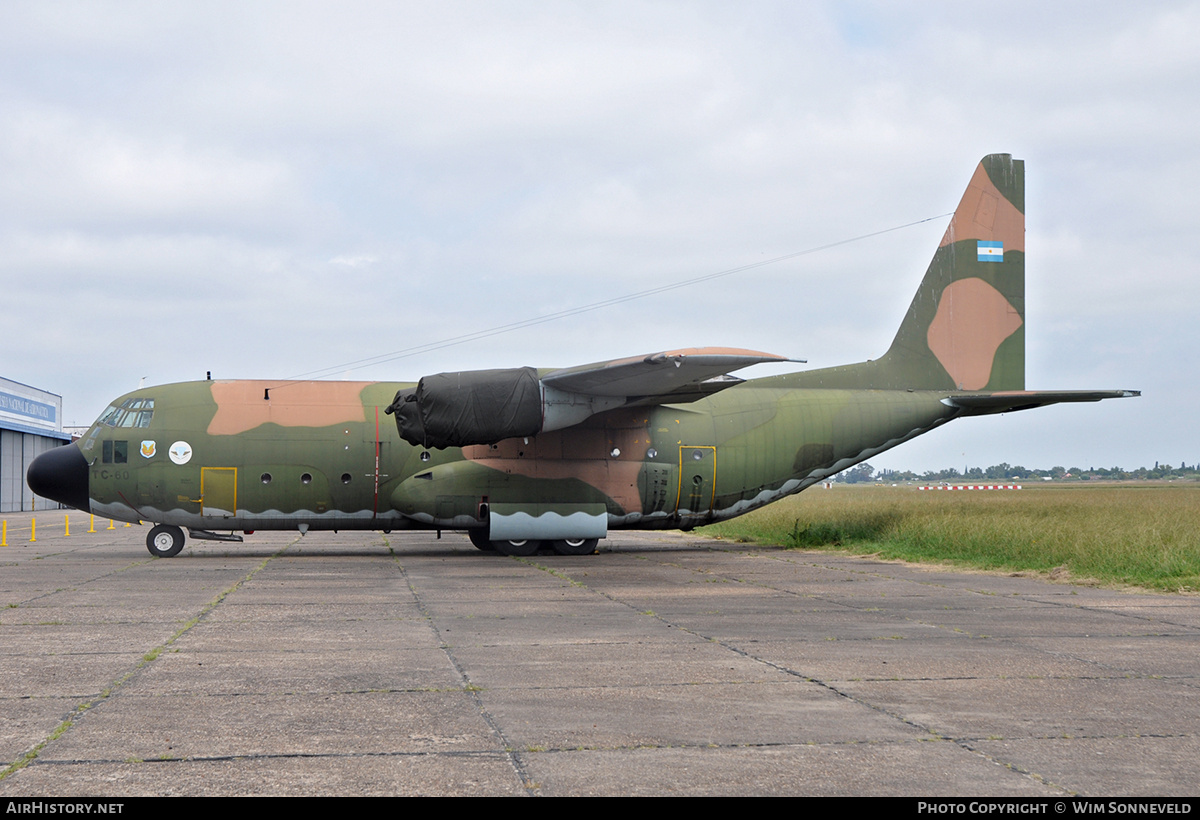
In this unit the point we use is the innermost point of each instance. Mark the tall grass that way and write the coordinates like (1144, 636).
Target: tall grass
(1140, 535)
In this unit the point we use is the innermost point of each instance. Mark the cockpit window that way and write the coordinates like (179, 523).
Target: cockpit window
(115, 452)
(131, 413)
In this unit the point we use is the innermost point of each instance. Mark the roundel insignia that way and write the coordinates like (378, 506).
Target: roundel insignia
(180, 452)
(147, 449)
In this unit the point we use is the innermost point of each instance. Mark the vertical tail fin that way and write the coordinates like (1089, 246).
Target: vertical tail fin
(965, 328)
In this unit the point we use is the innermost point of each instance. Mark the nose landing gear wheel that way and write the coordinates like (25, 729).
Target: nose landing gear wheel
(164, 541)
(575, 546)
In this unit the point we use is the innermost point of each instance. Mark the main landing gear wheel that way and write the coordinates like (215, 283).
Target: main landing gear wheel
(520, 548)
(575, 546)
(164, 541)
(479, 538)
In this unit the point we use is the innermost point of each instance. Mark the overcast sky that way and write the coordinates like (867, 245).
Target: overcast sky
(274, 189)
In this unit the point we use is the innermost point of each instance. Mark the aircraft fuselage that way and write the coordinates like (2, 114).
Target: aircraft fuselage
(246, 456)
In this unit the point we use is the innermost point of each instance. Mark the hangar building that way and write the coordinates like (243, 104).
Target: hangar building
(30, 424)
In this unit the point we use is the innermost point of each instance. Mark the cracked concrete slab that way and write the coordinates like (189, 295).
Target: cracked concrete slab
(363, 663)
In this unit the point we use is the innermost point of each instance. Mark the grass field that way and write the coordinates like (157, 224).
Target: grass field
(1145, 535)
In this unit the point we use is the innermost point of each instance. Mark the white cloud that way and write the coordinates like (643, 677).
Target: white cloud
(315, 184)
(65, 171)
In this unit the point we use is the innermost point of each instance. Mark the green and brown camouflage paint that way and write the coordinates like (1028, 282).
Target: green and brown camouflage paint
(282, 455)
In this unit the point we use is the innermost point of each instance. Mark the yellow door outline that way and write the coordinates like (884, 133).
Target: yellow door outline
(218, 491)
(700, 462)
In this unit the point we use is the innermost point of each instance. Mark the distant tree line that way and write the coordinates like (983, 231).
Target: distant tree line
(864, 473)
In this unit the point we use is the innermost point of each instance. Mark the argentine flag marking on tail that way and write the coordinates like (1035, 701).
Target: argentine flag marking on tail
(991, 251)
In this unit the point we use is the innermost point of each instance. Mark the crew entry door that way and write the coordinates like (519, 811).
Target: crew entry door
(218, 491)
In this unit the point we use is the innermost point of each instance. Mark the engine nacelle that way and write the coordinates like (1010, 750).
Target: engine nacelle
(485, 406)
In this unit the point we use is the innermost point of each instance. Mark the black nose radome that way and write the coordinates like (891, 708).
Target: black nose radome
(61, 475)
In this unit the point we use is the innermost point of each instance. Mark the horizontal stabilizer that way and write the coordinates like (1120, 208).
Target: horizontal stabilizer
(1008, 401)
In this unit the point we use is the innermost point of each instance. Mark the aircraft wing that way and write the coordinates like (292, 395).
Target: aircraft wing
(694, 372)
(485, 406)
(1008, 401)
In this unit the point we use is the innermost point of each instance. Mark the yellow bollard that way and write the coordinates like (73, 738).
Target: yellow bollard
(127, 524)
(110, 524)
(92, 524)
(4, 535)
(67, 524)
(32, 530)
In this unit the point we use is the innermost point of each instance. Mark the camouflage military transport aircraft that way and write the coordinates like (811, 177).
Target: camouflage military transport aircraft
(524, 457)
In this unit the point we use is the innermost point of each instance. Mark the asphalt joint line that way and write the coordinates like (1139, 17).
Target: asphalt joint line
(514, 757)
(920, 582)
(962, 743)
(80, 584)
(931, 733)
(81, 709)
(965, 744)
(933, 583)
(1023, 597)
